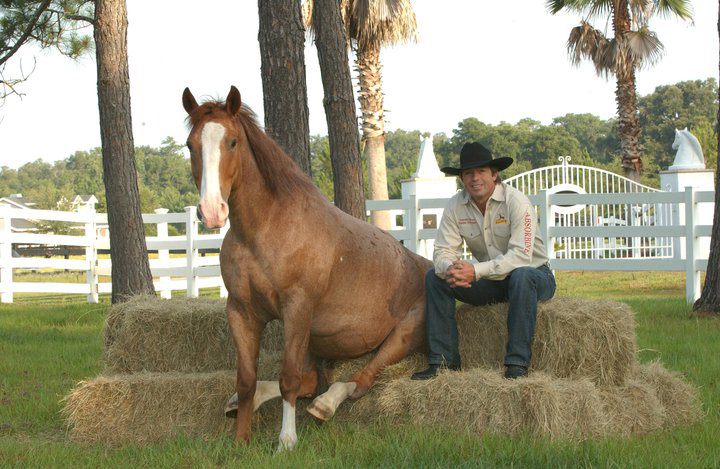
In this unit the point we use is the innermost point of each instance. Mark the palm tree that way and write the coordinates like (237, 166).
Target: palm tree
(371, 24)
(632, 46)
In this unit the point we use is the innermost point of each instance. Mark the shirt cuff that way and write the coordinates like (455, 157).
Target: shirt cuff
(482, 269)
(441, 268)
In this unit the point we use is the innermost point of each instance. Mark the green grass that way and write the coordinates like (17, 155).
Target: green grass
(45, 348)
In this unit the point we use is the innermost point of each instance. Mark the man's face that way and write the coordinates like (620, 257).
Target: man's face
(479, 182)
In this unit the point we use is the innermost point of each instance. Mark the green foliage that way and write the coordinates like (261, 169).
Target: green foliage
(687, 104)
(164, 179)
(322, 165)
(46, 23)
(164, 175)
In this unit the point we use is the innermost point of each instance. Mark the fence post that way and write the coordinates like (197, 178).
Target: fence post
(6, 271)
(91, 251)
(547, 220)
(191, 232)
(692, 276)
(163, 254)
(412, 224)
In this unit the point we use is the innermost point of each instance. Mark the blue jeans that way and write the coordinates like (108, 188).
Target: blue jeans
(522, 289)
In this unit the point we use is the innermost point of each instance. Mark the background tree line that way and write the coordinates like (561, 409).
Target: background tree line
(164, 178)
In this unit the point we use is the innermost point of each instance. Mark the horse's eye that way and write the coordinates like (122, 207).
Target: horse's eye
(189, 145)
(233, 142)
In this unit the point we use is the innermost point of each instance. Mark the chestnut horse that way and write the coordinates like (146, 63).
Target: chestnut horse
(341, 287)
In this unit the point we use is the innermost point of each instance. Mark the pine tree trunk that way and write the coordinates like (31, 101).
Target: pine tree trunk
(130, 266)
(373, 127)
(339, 106)
(709, 301)
(282, 54)
(626, 98)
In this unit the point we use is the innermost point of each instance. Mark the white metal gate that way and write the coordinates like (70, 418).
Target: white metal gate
(566, 178)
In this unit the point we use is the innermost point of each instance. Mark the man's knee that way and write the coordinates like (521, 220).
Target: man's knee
(522, 276)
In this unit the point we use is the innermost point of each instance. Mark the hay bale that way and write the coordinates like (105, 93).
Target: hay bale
(574, 338)
(483, 401)
(632, 408)
(146, 407)
(679, 399)
(186, 334)
(143, 407)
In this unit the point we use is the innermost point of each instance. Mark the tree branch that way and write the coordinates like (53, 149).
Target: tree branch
(41, 9)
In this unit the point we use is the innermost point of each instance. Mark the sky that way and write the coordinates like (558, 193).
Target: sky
(496, 61)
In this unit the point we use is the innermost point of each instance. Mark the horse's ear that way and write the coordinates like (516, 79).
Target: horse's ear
(189, 102)
(232, 103)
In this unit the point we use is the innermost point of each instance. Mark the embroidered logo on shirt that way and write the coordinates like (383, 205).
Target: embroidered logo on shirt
(527, 231)
(467, 221)
(501, 220)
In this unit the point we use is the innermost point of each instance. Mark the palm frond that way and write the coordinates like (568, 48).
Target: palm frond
(600, 8)
(640, 11)
(610, 59)
(383, 22)
(588, 8)
(680, 8)
(586, 42)
(644, 47)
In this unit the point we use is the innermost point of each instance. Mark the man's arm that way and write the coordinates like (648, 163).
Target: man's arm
(448, 244)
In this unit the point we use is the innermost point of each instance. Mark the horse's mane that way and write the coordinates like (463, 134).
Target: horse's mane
(694, 144)
(281, 173)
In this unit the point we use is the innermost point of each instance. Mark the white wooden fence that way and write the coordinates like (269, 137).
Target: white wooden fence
(189, 272)
(192, 271)
(649, 237)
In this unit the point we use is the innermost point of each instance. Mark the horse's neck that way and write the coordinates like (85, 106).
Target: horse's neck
(250, 200)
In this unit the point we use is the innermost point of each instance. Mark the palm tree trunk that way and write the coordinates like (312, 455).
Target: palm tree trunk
(709, 301)
(626, 98)
(339, 104)
(130, 266)
(282, 53)
(628, 126)
(373, 127)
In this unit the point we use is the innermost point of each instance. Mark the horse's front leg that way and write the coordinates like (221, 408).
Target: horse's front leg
(296, 321)
(246, 330)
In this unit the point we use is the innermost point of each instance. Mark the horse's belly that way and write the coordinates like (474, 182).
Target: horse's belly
(348, 340)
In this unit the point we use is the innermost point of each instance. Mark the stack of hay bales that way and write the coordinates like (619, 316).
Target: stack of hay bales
(170, 367)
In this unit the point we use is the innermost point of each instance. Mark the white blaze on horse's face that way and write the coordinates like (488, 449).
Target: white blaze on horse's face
(213, 206)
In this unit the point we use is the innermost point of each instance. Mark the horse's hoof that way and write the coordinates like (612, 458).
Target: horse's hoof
(231, 407)
(320, 411)
(287, 443)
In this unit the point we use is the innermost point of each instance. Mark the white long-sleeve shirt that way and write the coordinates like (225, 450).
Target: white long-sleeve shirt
(503, 239)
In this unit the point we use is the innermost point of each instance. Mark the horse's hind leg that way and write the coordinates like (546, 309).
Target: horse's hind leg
(408, 335)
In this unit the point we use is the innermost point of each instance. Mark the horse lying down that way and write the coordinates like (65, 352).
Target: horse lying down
(341, 287)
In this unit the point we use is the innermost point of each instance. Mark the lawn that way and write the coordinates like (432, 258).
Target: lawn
(47, 347)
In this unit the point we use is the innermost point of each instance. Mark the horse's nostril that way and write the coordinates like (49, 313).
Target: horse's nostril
(199, 213)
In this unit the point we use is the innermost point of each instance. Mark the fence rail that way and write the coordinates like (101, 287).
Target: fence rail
(640, 252)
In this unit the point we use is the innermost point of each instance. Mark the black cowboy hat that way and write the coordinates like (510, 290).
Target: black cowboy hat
(475, 155)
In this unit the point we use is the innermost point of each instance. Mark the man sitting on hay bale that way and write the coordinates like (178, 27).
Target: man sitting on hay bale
(499, 225)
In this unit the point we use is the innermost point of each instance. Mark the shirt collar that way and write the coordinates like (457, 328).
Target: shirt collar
(497, 195)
